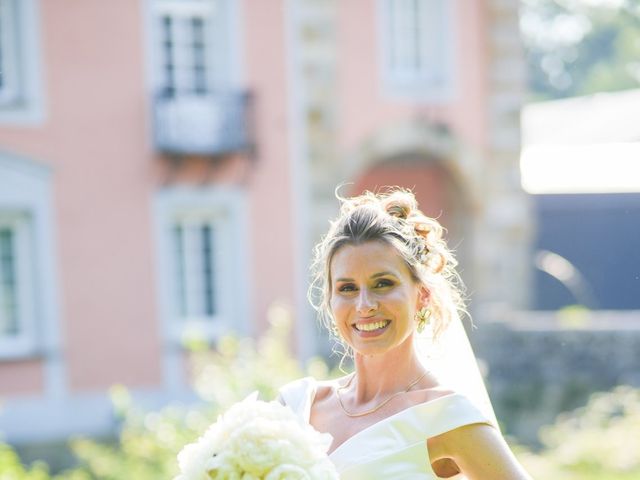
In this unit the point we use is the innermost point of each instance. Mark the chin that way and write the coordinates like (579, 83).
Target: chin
(372, 350)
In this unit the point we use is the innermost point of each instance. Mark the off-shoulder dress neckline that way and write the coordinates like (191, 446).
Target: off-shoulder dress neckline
(419, 406)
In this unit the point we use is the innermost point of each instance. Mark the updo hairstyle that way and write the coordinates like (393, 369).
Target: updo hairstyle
(391, 217)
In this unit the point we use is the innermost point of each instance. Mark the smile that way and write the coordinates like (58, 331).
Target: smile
(372, 326)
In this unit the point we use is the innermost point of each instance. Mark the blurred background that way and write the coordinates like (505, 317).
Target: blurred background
(166, 167)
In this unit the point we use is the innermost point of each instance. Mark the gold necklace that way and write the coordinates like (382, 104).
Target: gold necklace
(377, 407)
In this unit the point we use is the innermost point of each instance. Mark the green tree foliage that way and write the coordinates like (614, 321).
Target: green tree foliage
(580, 47)
(598, 441)
(12, 469)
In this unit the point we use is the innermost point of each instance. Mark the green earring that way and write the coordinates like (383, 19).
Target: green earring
(422, 317)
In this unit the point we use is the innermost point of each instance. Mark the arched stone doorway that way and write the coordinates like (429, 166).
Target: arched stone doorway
(439, 194)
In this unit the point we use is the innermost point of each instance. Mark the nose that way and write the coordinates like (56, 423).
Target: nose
(364, 303)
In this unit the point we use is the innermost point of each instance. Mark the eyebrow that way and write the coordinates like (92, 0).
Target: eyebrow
(375, 275)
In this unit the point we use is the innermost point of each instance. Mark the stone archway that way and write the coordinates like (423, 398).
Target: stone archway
(436, 192)
(418, 142)
(442, 171)
(439, 194)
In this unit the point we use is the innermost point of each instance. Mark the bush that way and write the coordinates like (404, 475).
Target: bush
(597, 441)
(148, 443)
(12, 469)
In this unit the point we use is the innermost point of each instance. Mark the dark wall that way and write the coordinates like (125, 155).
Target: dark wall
(534, 375)
(600, 235)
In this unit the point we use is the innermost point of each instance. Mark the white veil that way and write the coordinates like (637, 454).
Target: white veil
(451, 359)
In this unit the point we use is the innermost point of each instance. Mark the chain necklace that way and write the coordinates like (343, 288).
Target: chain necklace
(377, 407)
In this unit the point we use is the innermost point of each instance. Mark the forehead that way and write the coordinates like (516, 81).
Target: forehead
(366, 259)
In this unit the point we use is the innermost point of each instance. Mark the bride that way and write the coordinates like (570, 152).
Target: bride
(415, 407)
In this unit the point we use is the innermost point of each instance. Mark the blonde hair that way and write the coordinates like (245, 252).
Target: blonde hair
(392, 217)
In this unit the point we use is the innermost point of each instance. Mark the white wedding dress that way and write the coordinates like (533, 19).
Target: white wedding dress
(395, 447)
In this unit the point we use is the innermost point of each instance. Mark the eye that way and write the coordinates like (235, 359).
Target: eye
(347, 287)
(384, 282)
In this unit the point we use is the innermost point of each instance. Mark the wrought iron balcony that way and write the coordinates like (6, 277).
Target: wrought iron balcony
(197, 124)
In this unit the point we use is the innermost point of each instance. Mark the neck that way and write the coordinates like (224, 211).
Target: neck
(378, 376)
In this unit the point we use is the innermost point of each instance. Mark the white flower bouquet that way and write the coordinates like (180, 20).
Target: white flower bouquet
(256, 440)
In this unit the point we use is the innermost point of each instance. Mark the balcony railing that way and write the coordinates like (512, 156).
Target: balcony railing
(211, 124)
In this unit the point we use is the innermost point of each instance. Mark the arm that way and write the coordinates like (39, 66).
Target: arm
(481, 453)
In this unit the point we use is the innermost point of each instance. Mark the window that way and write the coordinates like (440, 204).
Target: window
(20, 92)
(193, 246)
(201, 256)
(8, 53)
(417, 48)
(199, 107)
(28, 298)
(193, 46)
(16, 287)
(184, 66)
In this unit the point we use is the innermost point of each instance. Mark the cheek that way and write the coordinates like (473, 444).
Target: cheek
(333, 303)
(337, 306)
(398, 300)
(402, 306)
(341, 311)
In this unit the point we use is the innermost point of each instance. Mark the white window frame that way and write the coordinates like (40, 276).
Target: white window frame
(26, 207)
(9, 90)
(225, 211)
(24, 340)
(221, 50)
(22, 101)
(432, 47)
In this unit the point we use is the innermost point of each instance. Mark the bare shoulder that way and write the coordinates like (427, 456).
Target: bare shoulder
(323, 409)
(480, 451)
(435, 392)
(430, 390)
(325, 388)
(457, 439)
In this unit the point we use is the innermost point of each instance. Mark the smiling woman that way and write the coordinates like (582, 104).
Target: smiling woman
(373, 297)
(384, 281)
(394, 220)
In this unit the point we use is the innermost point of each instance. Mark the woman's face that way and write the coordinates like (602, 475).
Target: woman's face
(374, 298)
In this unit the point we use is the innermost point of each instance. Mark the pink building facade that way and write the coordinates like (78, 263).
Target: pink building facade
(165, 166)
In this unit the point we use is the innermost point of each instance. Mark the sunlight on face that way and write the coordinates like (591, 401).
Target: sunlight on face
(374, 298)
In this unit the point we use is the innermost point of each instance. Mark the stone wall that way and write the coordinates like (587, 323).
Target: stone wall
(540, 364)
(502, 254)
(315, 30)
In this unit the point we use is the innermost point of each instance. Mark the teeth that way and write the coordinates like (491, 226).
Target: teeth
(368, 327)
